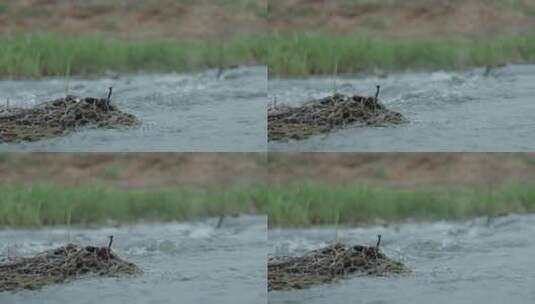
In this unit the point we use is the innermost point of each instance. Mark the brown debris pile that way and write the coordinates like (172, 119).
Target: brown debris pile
(326, 114)
(327, 265)
(59, 117)
(60, 265)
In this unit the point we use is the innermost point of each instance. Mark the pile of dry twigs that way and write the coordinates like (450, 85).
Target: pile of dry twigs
(60, 116)
(328, 264)
(323, 115)
(60, 265)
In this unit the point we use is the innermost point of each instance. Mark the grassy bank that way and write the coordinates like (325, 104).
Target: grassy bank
(42, 204)
(303, 205)
(307, 54)
(51, 55)
(289, 205)
(286, 55)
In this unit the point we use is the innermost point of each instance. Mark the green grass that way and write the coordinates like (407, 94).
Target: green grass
(310, 204)
(297, 205)
(42, 204)
(303, 54)
(51, 55)
(298, 54)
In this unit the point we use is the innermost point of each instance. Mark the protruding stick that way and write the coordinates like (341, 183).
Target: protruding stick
(220, 221)
(378, 242)
(488, 70)
(109, 94)
(109, 244)
(220, 71)
(377, 92)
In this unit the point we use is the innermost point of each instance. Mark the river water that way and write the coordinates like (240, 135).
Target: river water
(477, 261)
(182, 263)
(448, 111)
(179, 112)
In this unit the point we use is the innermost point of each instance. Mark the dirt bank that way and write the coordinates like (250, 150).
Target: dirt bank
(137, 19)
(405, 18)
(135, 170)
(403, 169)
(167, 170)
(140, 19)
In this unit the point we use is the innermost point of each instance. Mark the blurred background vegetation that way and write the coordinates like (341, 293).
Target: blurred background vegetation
(293, 37)
(294, 190)
(361, 36)
(75, 37)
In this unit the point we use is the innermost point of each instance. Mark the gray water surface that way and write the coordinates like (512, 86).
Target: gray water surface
(182, 263)
(179, 112)
(448, 111)
(451, 262)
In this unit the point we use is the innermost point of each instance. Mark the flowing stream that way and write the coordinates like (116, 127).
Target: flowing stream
(179, 112)
(182, 263)
(447, 111)
(477, 261)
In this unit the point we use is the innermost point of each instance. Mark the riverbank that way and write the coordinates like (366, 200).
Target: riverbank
(381, 36)
(45, 204)
(135, 19)
(90, 38)
(294, 190)
(287, 55)
(304, 54)
(405, 18)
(40, 55)
(302, 37)
(162, 171)
(303, 205)
(293, 205)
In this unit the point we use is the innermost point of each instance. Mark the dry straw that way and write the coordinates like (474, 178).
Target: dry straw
(60, 265)
(59, 117)
(329, 264)
(323, 115)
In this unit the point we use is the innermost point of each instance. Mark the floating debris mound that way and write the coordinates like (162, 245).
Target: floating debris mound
(327, 265)
(59, 117)
(323, 115)
(60, 265)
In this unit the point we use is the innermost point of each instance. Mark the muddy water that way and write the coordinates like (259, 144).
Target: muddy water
(182, 263)
(479, 261)
(179, 112)
(447, 111)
